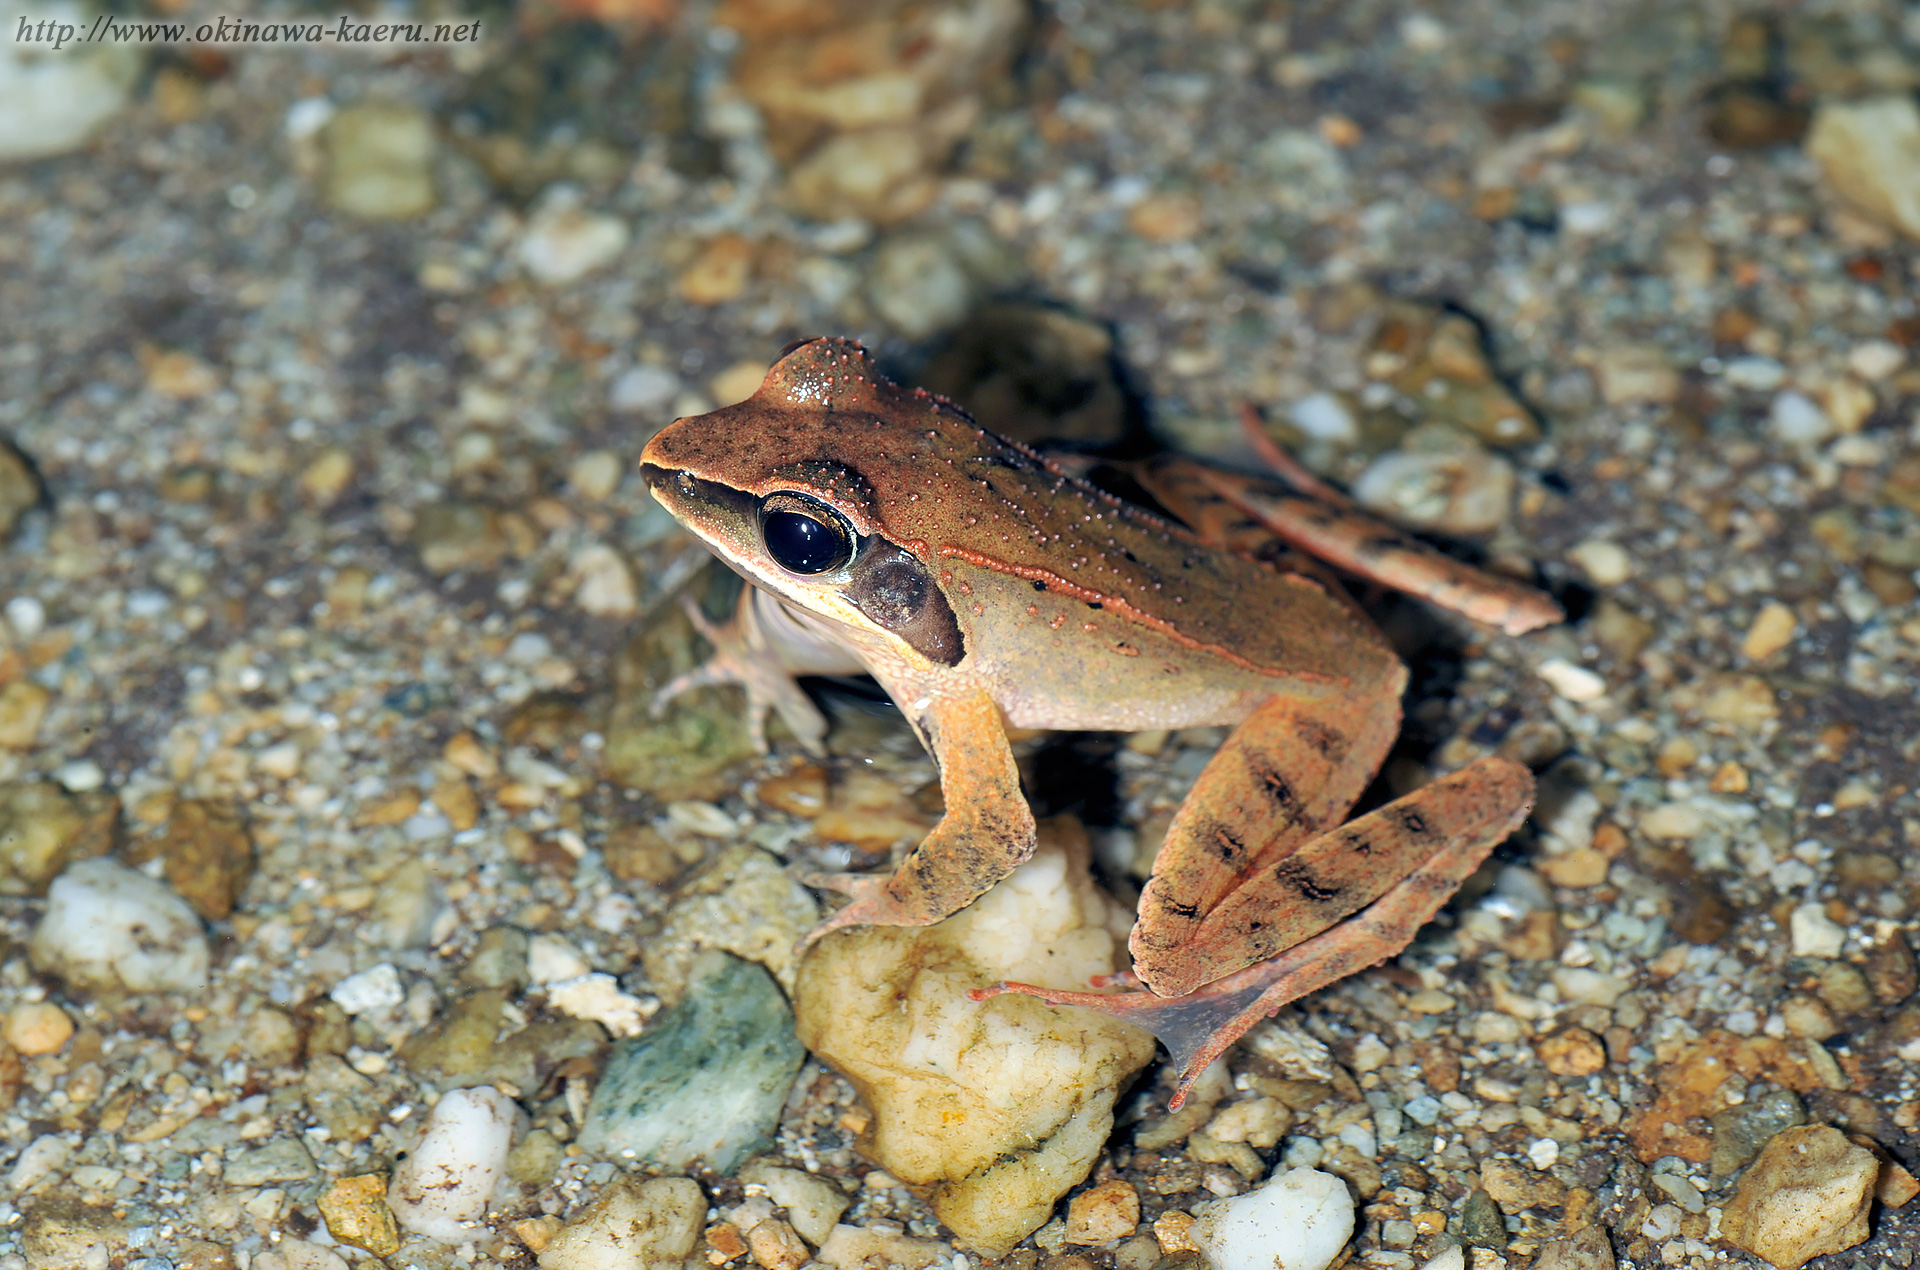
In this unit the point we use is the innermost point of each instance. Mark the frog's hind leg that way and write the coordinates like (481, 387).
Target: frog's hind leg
(1291, 771)
(1309, 515)
(1468, 813)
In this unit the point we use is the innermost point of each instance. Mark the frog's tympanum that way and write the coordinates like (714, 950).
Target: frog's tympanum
(984, 587)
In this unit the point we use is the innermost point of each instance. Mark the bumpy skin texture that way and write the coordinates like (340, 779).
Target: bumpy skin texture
(982, 586)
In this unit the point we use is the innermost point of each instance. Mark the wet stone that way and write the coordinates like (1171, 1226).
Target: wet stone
(1587, 1249)
(499, 959)
(1739, 1132)
(280, 1160)
(1481, 1222)
(1807, 1195)
(209, 855)
(19, 488)
(23, 704)
(109, 929)
(43, 829)
(706, 1083)
(631, 1226)
(346, 1103)
(455, 536)
(463, 1046)
(379, 161)
(355, 1210)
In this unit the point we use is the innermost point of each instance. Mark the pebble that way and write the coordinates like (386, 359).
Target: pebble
(114, 930)
(38, 1027)
(1756, 374)
(1584, 1249)
(595, 475)
(1807, 1195)
(776, 1246)
(644, 390)
(1575, 683)
(918, 286)
(813, 1203)
(372, 991)
(1772, 630)
(1301, 1220)
(1324, 416)
(26, 615)
(998, 1107)
(597, 997)
(1798, 420)
(632, 1225)
(1869, 152)
(602, 583)
(23, 704)
(44, 828)
(53, 103)
(443, 1187)
(1463, 490)
(1875, 360)
(564, 242)
(1103, 1213)
(859, 1248)
(1815, 934)
(707, 1083)
(1636, 372)
(209, 854)
(1605, 563)
(298, 1254)
(379, 161)
(278, 1160)
(1740, 1131)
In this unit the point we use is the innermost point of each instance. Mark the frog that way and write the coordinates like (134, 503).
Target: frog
(988, 588)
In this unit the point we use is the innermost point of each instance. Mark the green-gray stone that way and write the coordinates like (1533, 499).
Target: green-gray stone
(706, 1083)
(1481, 1223)
(1739, 1132)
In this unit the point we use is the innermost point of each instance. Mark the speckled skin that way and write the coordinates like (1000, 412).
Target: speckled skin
(1073, 610)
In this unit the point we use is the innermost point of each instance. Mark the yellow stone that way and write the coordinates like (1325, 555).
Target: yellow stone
(38, 1027)
(356, 1213)
(22, 705)
(1772, 630)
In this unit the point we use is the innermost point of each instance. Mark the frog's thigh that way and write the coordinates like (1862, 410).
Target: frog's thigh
(986, 833)
(1292, 769)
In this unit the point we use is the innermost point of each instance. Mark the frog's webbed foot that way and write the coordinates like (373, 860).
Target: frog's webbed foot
(1472, 810)
(741, 657)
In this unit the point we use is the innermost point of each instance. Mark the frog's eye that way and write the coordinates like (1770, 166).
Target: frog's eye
(803, 535)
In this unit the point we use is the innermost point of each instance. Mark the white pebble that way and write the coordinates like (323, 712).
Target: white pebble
(603, 585)
(26, 615)
(551, 959)
(372, 991)
(1798, 421)
(1815, 934)
(1325, 417)
(1575, 683)
(79, 776)
(598, 999)
(644, 390)
(1607, 563)
(111, 928)
(564, 242)
(1300, 1220)
(43, 1156)
(1876, 359)
(1454, 1258)
(1544, 1153)
(1758, 374)
(445, 1185)
(528, 648)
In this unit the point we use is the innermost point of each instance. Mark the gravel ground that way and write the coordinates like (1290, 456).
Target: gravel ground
(337, 577)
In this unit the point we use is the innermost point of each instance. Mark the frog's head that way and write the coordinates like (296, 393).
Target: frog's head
(791, 488)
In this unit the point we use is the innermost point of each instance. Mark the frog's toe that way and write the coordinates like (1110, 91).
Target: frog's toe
(873, 903)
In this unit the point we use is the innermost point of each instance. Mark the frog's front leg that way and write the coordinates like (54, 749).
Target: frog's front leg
(986, 833)
(762, 650)
(1459, 819)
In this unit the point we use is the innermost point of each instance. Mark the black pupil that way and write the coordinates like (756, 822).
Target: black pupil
(801, 544)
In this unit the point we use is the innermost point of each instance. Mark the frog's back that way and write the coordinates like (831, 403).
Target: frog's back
(917, 470)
